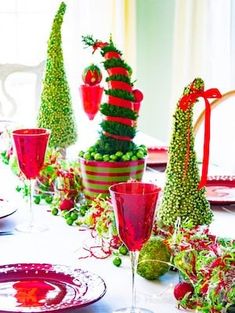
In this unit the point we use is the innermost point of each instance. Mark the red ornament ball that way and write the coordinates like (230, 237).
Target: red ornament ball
(181, 289)
(92, 75)
(138, 95)
(66, 204)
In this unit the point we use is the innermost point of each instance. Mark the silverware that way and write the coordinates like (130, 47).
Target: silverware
(227, 210)
(6, 232)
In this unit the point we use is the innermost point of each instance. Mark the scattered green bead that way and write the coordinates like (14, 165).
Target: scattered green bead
(123, 250)
(18, 188)
(117, 261)
(55, 211)
(74, 216)
(37, 199)
(48, 199)
(67, 215)
(69, 221)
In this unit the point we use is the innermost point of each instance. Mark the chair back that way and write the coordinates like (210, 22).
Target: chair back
(19, 91)
(222, 142)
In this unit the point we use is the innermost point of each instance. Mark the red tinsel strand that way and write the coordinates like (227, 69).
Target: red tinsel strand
(186, 163)
(99, 44)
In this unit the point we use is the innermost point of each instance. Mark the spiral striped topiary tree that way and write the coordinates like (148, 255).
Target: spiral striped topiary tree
(120, 112)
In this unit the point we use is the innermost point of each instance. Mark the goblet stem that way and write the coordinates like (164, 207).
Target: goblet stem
(134, 261)
(30, 225)
(31, 194)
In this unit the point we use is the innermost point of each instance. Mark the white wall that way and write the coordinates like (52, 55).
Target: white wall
(155, 22)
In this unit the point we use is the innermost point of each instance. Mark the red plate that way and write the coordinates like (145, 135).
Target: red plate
(221, 189)
(157, 156)
(33, 287)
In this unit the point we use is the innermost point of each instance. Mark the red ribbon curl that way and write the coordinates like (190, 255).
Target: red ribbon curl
(185, 103)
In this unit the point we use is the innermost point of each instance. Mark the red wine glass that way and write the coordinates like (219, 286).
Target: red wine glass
(91, 98)
(134, 206)
(30, 146)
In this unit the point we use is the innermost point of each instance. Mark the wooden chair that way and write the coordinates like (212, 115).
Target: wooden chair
(222, 144)
(214, 104)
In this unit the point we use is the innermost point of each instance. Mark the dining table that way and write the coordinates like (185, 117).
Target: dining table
(62, 244)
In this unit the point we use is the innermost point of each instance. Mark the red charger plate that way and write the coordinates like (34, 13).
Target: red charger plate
(157, 156)
(221, 189)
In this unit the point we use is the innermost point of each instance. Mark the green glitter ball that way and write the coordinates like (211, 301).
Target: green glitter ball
(152, 252)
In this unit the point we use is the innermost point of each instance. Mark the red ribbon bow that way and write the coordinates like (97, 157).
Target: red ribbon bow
(185, 103)
(99, 44)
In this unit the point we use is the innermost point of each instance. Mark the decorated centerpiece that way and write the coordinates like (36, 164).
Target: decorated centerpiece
(114, 157)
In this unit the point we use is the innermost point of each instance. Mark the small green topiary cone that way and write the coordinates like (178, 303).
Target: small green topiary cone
(56, 112)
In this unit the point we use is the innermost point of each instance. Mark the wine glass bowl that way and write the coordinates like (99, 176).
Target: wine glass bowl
(134, 205)
(30, 147)
(91, 98)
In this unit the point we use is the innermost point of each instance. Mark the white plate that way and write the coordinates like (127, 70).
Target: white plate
(6, 208)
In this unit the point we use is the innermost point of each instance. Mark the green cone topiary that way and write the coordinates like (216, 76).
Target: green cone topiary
(55, 111)
(182, 199)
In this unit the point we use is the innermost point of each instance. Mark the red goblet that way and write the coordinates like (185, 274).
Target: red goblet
(91, 99)
(30, 147)
(134, 206)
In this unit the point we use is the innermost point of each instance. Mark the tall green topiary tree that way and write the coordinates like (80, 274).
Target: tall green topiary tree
(183, 196)
(56, 111)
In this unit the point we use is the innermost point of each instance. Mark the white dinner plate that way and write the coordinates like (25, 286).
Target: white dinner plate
(6, 208)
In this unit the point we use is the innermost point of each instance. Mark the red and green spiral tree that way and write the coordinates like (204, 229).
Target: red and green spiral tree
(120, 111)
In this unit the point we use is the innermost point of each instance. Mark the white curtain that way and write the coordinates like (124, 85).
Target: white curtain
(202, 44)
(204, 47)
(25, 28)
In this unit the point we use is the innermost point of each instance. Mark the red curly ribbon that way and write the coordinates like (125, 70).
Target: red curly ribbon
(99, 44)
(118, 137)
(185, 103)
(121, 120)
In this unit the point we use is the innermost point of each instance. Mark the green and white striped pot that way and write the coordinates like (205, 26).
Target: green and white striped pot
(98, 176)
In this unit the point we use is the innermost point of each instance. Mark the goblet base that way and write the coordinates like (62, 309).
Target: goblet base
(132, 310)
(27, 228)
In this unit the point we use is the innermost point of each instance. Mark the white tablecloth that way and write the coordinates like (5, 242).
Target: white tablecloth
(61, 244)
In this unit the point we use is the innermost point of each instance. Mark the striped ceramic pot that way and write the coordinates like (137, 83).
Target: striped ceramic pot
(97, 176)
